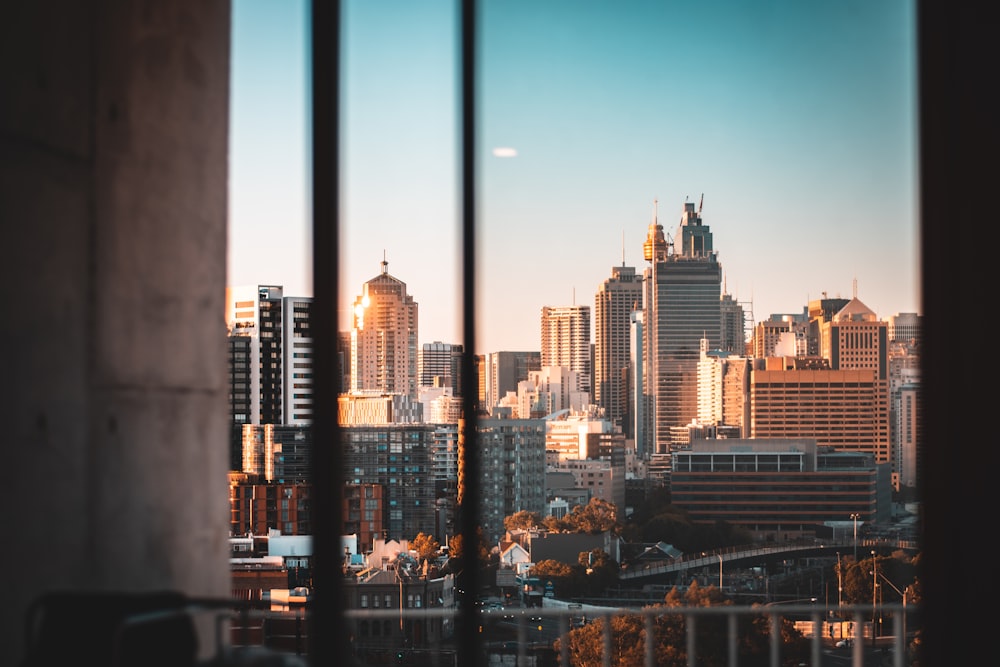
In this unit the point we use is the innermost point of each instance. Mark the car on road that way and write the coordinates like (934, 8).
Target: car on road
(845, 643)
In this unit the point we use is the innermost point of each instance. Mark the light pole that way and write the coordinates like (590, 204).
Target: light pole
(902, 593)
(855, 516)
(719, 556)
(840, 584)
(874, 594)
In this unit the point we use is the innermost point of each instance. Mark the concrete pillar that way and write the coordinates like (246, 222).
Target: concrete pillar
(113, 188)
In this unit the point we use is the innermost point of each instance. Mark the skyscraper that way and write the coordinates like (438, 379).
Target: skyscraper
(682, 299)
(297, 360)
(566, 341)
(616, 299)
(503, 370)
(270, 356)
(254, 324)
(441, 365)
(384, 337)
(733, 334)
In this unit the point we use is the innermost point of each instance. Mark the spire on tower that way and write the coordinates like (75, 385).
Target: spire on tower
(385, 263)
(654, 248)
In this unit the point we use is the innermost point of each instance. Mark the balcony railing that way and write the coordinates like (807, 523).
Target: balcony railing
(538, 635)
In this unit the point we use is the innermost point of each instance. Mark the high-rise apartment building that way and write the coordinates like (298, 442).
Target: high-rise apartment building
(616, 299)
(254, 324)
(270, 361)
(398, 458)
(512, 465)
(297, 360)
(384, 337)
(566, 341)
(682, 300)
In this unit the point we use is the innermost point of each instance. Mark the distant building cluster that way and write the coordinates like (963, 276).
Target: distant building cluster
(677, 388)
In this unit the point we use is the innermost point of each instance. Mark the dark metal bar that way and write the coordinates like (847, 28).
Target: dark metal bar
(470, 641)
(328, 632)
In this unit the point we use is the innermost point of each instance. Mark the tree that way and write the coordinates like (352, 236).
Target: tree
(596, 516)
(523, 520)
(554, 525)
(568, 580)
(426, 546)
(628, 636)
(601, 570)
(456, 552)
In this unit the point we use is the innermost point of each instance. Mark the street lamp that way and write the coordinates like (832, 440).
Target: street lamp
(840, 584)
(874, 593)
(855, 516)
(719, 556)
(902, 593)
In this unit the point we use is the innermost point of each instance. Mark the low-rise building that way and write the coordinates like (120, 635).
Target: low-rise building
(779, 488)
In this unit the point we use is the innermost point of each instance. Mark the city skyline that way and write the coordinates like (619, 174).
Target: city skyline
(801, 141)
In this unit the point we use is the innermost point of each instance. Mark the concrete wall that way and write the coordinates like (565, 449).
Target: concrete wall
(113, 184)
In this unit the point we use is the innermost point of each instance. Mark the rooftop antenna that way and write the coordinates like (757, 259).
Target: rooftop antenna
(385, 262)
(855, 287)
(700, 202)
(623, 247)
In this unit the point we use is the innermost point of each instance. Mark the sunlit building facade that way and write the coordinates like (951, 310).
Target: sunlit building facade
(384, 337)
(846, 409)
(565, 341)
(683, 285)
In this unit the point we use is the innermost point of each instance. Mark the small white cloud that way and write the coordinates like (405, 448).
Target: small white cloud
(504, 151)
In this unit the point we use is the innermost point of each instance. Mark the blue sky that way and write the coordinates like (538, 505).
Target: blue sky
(795, 120)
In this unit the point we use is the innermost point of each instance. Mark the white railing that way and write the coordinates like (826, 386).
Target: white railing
(524, 634)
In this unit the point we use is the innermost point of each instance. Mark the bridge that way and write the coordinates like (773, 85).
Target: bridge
(752, 553)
